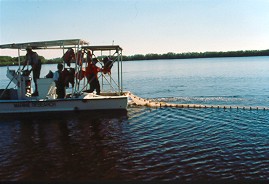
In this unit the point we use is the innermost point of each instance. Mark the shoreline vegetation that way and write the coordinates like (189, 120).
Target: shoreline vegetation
(9, 61)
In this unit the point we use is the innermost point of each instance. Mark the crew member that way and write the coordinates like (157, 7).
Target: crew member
(32, 59)
(91, 74)
(59, 81)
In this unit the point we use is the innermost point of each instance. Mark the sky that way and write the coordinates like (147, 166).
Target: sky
(139, 26)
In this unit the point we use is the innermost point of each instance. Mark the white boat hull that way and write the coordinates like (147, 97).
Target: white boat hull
(61, 105)
(20, 99)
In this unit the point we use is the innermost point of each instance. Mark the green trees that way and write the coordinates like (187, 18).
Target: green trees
(187, 55)
(7, 60)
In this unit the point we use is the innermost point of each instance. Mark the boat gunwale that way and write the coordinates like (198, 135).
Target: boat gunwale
(79, 111)
(65, 99)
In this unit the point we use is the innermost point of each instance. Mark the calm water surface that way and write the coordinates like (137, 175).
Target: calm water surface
(149, 143)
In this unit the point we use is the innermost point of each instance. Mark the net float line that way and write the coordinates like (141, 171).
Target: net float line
(143, 102)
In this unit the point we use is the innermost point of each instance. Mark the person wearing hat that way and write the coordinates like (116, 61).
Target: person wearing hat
(32, 59)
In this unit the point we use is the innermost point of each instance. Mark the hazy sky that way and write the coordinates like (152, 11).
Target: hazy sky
(140, 26)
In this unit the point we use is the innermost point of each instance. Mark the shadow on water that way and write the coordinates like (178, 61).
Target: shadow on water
(73, 146)
(63, 115)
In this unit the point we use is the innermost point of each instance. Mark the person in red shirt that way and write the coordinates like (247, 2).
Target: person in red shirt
(91, 74)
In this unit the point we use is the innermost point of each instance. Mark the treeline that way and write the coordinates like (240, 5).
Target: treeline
(187, 55)
(7, 60)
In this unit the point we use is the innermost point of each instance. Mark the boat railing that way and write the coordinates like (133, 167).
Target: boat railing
(115, 55)
(113, 51)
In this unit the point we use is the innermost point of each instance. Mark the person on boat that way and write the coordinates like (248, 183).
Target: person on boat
(32, 59)
(91, 74)
(108, 63)
(59, 81)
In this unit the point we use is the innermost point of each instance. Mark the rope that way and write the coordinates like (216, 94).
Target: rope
(143, 102)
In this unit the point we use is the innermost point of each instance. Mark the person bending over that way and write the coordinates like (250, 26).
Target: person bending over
(91, 74)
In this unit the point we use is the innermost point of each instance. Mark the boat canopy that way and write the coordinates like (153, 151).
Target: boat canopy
(80, 46)
(103, 47)
(45, 44)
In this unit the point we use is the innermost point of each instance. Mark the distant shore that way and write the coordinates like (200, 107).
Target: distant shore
(9, 61)
(189, 55)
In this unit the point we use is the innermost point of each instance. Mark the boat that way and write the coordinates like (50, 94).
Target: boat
(17, 96)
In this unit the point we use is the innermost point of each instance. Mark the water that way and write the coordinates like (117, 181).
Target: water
(239, 81)
(152, 143)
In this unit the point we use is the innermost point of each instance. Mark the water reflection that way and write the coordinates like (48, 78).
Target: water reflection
(77, 147)
(143, 144)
